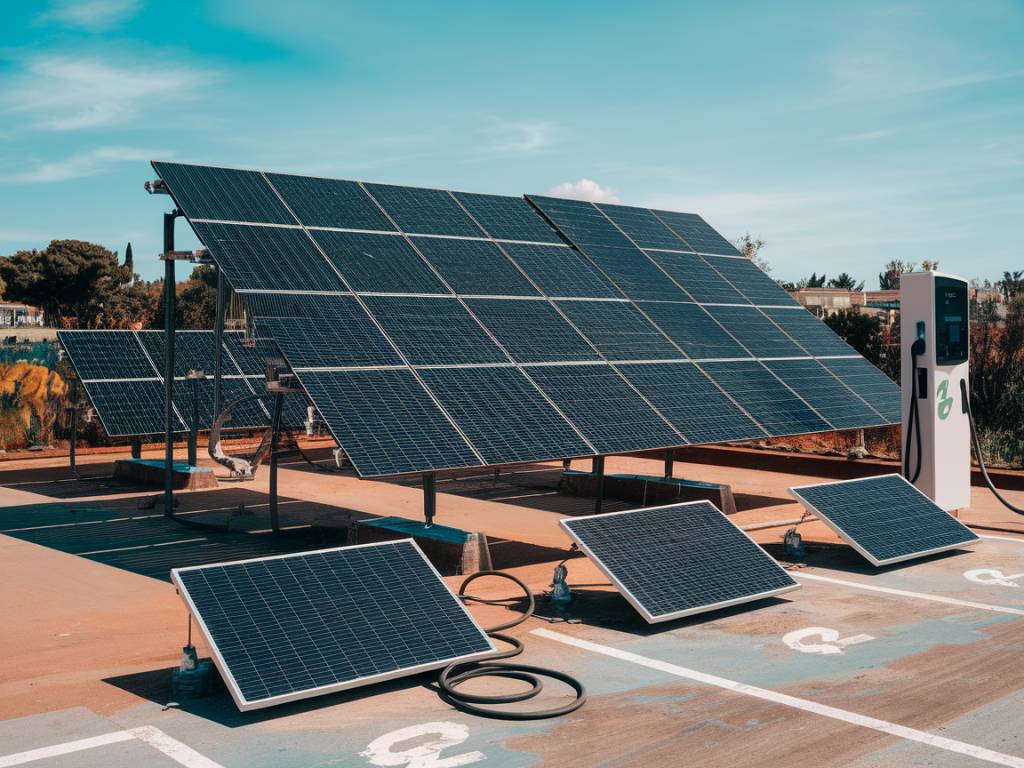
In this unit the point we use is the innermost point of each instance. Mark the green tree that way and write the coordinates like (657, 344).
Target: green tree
(751, 248)
(846, 282)
(195, 302)
(69, 279)
(889, 280)
(1012, 284)
(861, 331)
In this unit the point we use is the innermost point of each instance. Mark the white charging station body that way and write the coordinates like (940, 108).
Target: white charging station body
(940, 302)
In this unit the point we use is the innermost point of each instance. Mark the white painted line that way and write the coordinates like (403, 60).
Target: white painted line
(882, 726)
(67, 748)
(174, 749)
(180, 753)
(907, 593)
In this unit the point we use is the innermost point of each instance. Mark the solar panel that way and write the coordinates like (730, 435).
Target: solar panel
(884, 518)
(825, 393)
(106, 355)
(771, 404)
(193, 351)
(493, 405)
(475, 267)
(379, 263)
(678, 560)
(609, 413)
(561, 271)
(540, 281)
(697, 233)
(690, 326)
(619, 330)
(129, 408)
(756, 332)
(328, 203)
(692, 402)
(531, 331)
(870, 384)
(301, 625)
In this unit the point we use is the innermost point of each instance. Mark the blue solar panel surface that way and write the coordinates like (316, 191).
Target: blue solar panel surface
(678, 560)
(539, 281)
(294, 626)
(885, 518)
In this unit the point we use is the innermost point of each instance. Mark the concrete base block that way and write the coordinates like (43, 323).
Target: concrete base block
(151, 472)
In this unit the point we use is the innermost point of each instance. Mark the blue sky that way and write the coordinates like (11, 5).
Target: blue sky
(843, 134)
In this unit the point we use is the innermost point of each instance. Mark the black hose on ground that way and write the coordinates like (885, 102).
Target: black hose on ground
(965, 396)
(461, 672)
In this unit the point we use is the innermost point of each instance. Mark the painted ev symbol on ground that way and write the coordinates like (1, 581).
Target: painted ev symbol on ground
(831, 643)
(426, 754)
(992, 576)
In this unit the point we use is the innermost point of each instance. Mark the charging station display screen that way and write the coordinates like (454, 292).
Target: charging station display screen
(951, 317)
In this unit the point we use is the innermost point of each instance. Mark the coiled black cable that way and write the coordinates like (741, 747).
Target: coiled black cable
(914, 420)
(965, 396)
(456, 674)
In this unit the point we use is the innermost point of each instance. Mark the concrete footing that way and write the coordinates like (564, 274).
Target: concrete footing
(151, 472)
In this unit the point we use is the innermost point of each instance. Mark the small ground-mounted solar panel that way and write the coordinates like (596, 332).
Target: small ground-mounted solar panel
(295, 626)
(884, 518)
(678, 560)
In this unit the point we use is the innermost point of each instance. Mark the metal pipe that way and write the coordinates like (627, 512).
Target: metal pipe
(429, 497)
(136, 448)
(74, 424)
(598, 468)
(169, 296)
(218, 341)
(193, 433)
(275, 434)
(670, 456)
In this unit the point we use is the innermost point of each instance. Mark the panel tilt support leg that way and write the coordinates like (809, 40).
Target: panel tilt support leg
(169, 296)
(136, 447)
(275, 439)
(669, 459)
(598, 470)
(429, 498)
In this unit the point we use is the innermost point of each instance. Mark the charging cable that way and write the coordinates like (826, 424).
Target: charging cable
(977, 450)
(914, 420)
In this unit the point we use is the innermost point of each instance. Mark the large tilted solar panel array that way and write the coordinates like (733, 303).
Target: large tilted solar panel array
(294, 626)
(121, 372)
(885, 518)
(678, 560)
(437, 329)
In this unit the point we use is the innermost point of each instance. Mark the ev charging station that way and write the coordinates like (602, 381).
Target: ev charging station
(934, 330)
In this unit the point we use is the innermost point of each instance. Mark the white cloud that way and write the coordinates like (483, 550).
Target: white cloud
(584, 189)
(518, 136)
(91, 15)
(66, 92)
(83, 164)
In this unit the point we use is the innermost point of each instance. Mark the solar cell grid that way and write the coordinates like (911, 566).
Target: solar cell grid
(678, 560)
(609, 413)
(697, 233)
(751, 282)
(697, 278)
(193, 350)
(424, 211)
(268, 258)
(691, 402)
(320, 202)
(246, 414)
(250, 355)
(106, 355)
(643, 227)
(634, 273)
(693, 329)
(128, 408)
(531, 331)
(474, 267)
(561, 271)
(387, 423)
(507, 218)
(294, 626)
(492, 406)
(814, 336)
(765, 398)
(756, 332)
(870, 384)
(225, 194)
(885, 518)
(619, 331)
(581, 222)
(825, 393)
(378, 263)
(434, 331)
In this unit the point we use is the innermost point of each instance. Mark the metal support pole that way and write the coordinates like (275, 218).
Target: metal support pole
(429, 497)
(169, 296)
(136, 448)
(669, 458)
(218, 342)
(275, 435)
(74, 424)
(598, 469)
(193, 433)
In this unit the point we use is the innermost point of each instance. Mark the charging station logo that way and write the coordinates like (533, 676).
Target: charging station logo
(943, 399)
